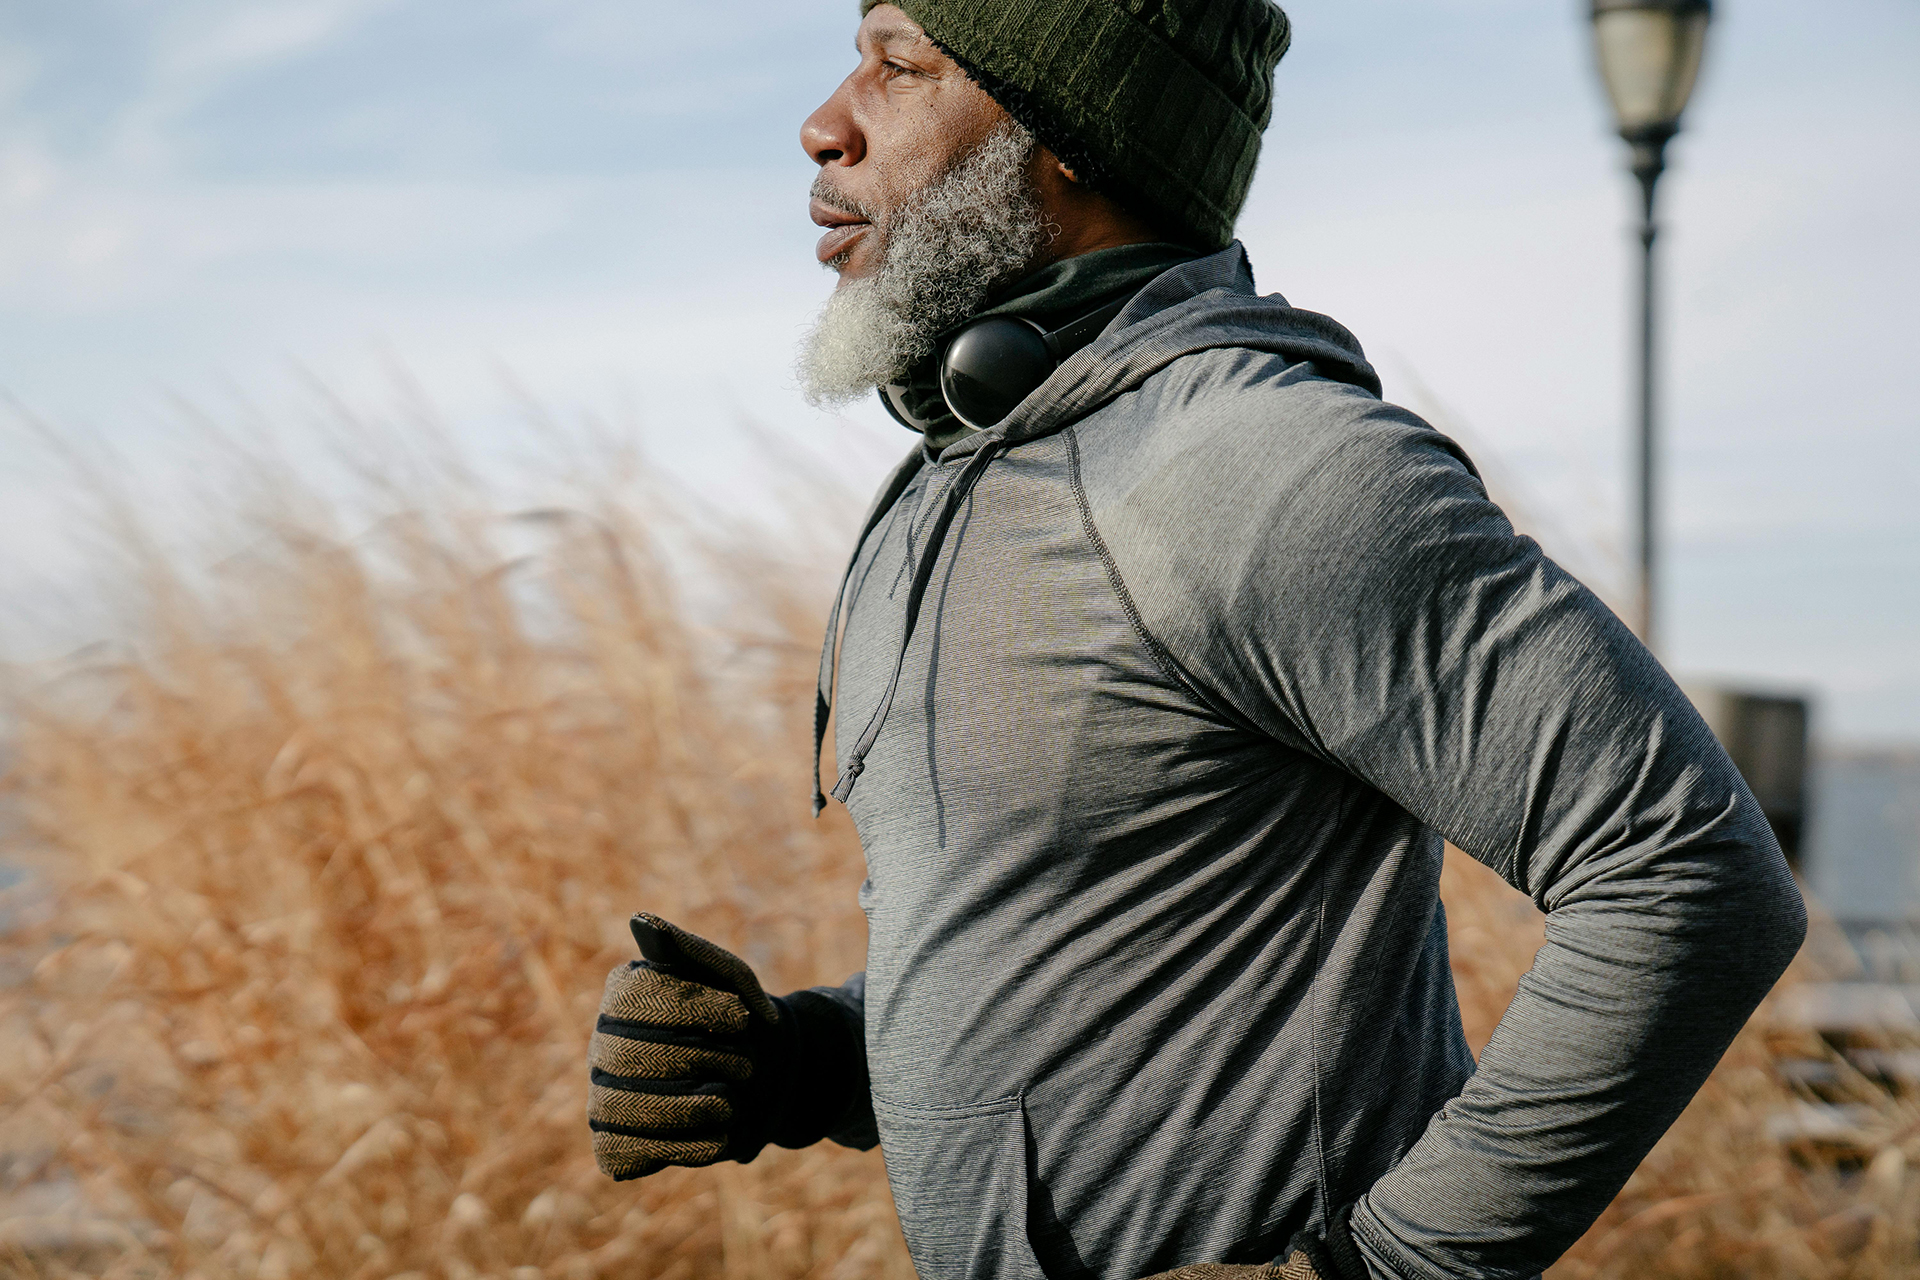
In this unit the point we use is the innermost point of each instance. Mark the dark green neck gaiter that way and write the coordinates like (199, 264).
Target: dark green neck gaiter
(1051, 297)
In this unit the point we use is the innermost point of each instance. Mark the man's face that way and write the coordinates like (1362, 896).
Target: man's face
(906, 116)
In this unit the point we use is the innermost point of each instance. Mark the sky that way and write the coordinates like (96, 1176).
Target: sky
(599, 206)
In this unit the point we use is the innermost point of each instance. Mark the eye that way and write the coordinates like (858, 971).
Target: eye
(891, 69)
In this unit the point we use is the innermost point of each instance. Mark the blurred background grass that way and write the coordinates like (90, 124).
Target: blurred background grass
(333, 846)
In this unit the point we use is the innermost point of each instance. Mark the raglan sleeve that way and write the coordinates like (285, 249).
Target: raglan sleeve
(1382, 610)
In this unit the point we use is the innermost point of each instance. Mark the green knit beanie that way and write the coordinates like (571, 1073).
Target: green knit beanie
(1159, 103)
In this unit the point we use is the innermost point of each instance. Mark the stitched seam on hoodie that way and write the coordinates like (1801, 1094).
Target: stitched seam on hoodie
(1313, 1041)
(1161, 658)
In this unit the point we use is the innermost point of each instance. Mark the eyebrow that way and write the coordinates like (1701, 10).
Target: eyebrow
(886, 35)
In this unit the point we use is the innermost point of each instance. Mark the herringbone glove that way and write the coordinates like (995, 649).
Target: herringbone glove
(691, 1062)
(1297, 1268)
(1329, 1255)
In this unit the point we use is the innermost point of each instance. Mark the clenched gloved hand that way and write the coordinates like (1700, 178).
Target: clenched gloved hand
(1329, 1256)
(1297, 1267)
(692, 1062)
(1224, 1271)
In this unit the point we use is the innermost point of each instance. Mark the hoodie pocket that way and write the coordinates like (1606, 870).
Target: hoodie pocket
(959, 1178)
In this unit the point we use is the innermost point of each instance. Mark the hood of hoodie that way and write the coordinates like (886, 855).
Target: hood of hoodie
(1200, 305)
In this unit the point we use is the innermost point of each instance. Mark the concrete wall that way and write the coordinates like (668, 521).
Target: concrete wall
(1863, 845)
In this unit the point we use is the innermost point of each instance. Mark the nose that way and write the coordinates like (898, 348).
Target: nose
(831, 136)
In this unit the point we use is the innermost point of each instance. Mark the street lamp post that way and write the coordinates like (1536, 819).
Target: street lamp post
(1649, 53)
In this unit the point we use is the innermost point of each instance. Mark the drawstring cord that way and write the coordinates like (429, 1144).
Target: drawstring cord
(829, 650)
(922, 577)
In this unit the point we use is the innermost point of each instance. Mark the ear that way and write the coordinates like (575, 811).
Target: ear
(1067, 172)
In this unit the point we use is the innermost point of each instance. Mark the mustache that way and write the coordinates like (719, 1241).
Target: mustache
(827, 194)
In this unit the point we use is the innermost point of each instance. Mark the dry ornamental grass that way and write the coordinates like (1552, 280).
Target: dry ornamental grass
(341, 851)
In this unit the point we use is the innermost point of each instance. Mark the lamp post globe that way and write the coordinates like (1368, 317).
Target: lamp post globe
(1649, 53)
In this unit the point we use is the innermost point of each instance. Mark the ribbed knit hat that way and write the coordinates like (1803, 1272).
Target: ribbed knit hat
(1159, 103)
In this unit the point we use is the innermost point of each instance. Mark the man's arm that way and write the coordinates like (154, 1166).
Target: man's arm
(1377, 610)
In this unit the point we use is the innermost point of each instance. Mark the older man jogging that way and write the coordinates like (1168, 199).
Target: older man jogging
(1170, 657)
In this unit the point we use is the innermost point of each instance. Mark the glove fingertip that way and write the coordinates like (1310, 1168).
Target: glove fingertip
(656, 938)
(680, 954)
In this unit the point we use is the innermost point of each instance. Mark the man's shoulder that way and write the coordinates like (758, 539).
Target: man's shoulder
(1246, 495)
(1229, 434)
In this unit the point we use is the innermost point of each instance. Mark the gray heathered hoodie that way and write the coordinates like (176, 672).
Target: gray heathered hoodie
(1212, 648)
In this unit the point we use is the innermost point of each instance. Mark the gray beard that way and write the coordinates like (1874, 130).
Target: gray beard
(948, 247)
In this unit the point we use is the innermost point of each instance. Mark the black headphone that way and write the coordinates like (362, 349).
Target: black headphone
(990, 365)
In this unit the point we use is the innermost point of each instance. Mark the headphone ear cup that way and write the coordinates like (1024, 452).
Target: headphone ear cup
(990, 366)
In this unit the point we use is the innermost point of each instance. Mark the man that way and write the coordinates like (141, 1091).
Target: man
(1158, 695)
